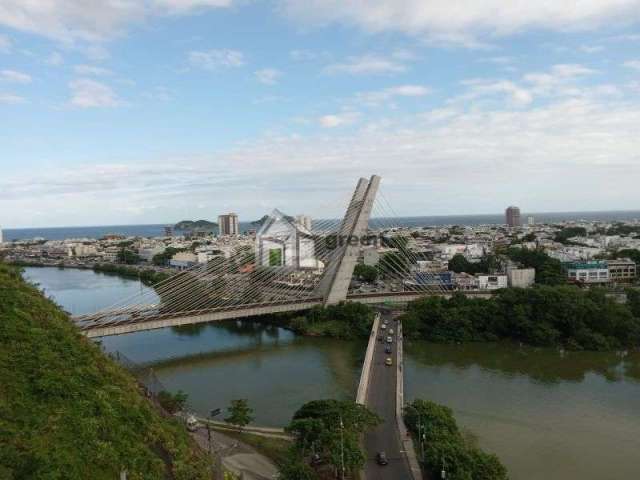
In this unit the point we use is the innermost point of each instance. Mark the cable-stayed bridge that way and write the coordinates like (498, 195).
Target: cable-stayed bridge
(292, 267)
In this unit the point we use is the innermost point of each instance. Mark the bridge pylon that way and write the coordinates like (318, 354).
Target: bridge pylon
(334, 286)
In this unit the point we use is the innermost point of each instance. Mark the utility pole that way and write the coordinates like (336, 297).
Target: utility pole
(342, 446)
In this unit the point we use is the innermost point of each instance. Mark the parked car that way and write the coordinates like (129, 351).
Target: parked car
(389, 339)
(391, 331)
(381, 458)
(387, 349)
(388, 362)
(383, 326)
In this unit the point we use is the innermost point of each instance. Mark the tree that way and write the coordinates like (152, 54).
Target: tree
(172, 402)
(393, 264)
(240, 413)
(128, 257)
(366, 273)
(333, 428)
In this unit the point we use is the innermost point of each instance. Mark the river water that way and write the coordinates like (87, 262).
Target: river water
(546, 414)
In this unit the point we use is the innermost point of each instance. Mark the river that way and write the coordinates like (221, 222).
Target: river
(546, 414)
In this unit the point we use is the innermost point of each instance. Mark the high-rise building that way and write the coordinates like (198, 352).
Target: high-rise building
(531, 220)
(304, 221)
(513, 216)
(0, 234)
(228, 224)
(168, 231)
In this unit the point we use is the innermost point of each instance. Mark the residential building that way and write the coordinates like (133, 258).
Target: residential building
(492, 282)
(592, 272)
(512, 215)
(168, 231)
(228, 224)
(182, 260)
(530, 221)
(622, 270)
(521, 277)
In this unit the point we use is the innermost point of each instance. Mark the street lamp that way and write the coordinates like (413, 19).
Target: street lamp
(342, 446)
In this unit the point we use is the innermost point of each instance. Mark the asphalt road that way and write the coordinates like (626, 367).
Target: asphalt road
(381, 398)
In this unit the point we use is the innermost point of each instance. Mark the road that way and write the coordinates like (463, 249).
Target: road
(381, 398)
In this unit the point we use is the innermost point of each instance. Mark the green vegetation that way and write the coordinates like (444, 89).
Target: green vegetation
(487, 264)
(146, 276)
(548, 270)
(446, 447)
(366, 273)
(622, 229)
(128, 257)
(240, 413)
(172, 402)
(332, 430)
(162, 259)
(69, 412)
(546, 316)
(566, 233)
(630, 253)
(346, 320)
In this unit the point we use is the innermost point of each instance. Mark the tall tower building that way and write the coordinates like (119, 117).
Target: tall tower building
(0, 234)
(228, 224)
(512, 215)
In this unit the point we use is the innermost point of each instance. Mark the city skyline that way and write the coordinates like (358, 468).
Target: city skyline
(142, 113)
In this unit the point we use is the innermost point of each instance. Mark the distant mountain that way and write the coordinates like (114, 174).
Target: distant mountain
(197, 224)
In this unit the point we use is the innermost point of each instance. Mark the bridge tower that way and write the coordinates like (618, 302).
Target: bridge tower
(334, 285)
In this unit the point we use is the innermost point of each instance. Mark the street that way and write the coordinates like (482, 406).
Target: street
(381, 398)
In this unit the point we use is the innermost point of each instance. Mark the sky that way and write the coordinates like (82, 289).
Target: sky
(154, 111)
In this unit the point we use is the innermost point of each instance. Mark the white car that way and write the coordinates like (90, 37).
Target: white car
(383, 326)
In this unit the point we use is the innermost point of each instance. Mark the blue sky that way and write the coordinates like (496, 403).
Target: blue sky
(153, 111)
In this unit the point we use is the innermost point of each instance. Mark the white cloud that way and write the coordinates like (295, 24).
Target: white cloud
(10, 99)
(591, 48)
(518, 96)
(367, 64)
(93, 21)
(462, 21)
(377, 97)
(91, 70)
(87, 93)
(5, 44)
(268, 76)
(55, 59)
(634, 64)
(338, 119)
(182, 6)
(14, 76)
(216, 59)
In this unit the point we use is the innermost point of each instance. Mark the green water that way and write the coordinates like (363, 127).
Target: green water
(547, 415)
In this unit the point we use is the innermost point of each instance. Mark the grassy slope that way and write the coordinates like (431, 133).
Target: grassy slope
(67, 411)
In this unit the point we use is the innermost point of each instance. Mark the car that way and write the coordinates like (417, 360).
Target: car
(387, 349)
(391, 331)
(389, 339)
(388, 362)
(383, 326)
(381, 458)
(380, 338)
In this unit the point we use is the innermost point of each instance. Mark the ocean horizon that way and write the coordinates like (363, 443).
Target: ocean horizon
(156, 230)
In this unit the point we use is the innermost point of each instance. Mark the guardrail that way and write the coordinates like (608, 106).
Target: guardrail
(361, 396)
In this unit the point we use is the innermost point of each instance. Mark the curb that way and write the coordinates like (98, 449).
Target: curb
(361, 396)
(405, 438)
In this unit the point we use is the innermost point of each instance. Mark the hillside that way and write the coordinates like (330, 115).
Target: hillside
(197, 224)
(69, 412)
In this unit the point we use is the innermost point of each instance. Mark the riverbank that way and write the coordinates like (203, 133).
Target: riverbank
(148, 276)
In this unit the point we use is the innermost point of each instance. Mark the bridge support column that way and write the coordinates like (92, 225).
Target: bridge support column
(335, 284)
